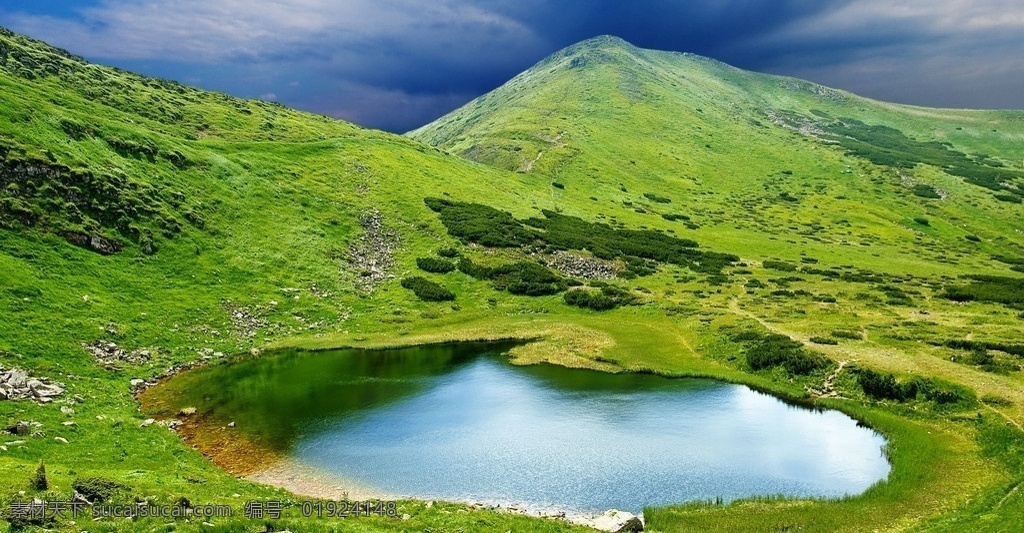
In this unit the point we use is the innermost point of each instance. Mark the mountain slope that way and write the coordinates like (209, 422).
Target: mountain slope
(675, 223)
(611, 121)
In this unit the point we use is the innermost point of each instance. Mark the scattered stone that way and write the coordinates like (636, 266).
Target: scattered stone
(231, 424)
(580, 266)
(15, 384)
(136, 385)
(246, 321)
(68, 423)
(187, 411)
(148, 422)
(67, 410)
(373, 256)
(111, 356)
(61, 439)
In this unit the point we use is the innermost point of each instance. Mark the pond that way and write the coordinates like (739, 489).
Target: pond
(458, 422)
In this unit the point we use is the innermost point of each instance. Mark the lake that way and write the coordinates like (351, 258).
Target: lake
(458, 422)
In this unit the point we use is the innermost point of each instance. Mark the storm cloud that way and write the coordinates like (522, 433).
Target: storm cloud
(396, 64)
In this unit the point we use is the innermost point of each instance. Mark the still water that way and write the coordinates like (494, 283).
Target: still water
(458, 422)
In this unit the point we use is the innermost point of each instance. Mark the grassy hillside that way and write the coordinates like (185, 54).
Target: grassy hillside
(634, 210)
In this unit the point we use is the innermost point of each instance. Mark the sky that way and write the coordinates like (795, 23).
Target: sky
(398, 64)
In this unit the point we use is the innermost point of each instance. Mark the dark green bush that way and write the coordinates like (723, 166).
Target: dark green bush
(490, 227)
(481, 224)
(437, 266)
(922, 221)
(451, 252)
(523, 278)
(847, 334)
(557, 185)
(97, 489)
(672, 217)
(997, 289)
(427, 290)
(925, 191)
(772, 350)
(824, 340)
(973, 346)
(38, 480)
(609, 297)
(885, 386)
(657, 198)
(781, 266)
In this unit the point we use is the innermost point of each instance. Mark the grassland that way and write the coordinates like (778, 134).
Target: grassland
(237, 221)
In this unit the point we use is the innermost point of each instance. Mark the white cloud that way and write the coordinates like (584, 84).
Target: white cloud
(208, 31)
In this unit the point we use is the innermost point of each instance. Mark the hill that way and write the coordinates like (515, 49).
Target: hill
(634, 210)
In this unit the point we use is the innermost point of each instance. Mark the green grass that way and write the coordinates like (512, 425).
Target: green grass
(236, 219)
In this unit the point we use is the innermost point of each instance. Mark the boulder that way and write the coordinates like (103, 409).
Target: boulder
(617, 522)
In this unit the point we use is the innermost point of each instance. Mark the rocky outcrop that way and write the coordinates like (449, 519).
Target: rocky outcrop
(580, 266)
(111, 356)
(617, 522)
(16, 384)
(373, 256)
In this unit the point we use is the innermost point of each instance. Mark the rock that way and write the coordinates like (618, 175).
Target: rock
(147, 422)
(187, 411)
(231, 424)
(617, 522)
(136, 384)
(61, 439)
(21, 428)
(67, 410)
(111, 356)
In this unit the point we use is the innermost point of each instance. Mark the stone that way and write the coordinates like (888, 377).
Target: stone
(136, 384)
(617, 521)
(21, 428)
(148, 422)
(61, 439)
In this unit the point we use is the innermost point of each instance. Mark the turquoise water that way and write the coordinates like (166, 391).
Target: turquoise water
(458, 422)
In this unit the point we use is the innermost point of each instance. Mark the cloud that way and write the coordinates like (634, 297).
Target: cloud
(391, 63)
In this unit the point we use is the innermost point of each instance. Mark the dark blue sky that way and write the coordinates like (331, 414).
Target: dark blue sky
(397, 64)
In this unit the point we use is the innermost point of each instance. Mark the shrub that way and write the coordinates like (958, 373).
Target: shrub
(427, 290)
(437, 266)
(847, 334)
(490, 227)
(922, 221)
(767, 351)
(781, 266)
(609, 297)
(557, 185)
(824, 340)
(528, 279)
(657, 198)
(672, 217)
(998, 289)
(885, 386)
(925, 191)
(450, 252)
(481, 224)
(38, 480)
(97, 489)
(523, 278)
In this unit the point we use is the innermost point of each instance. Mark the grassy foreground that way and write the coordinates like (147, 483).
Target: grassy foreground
(246, 226)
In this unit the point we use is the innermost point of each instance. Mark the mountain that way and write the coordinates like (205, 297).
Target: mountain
(626, 209)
